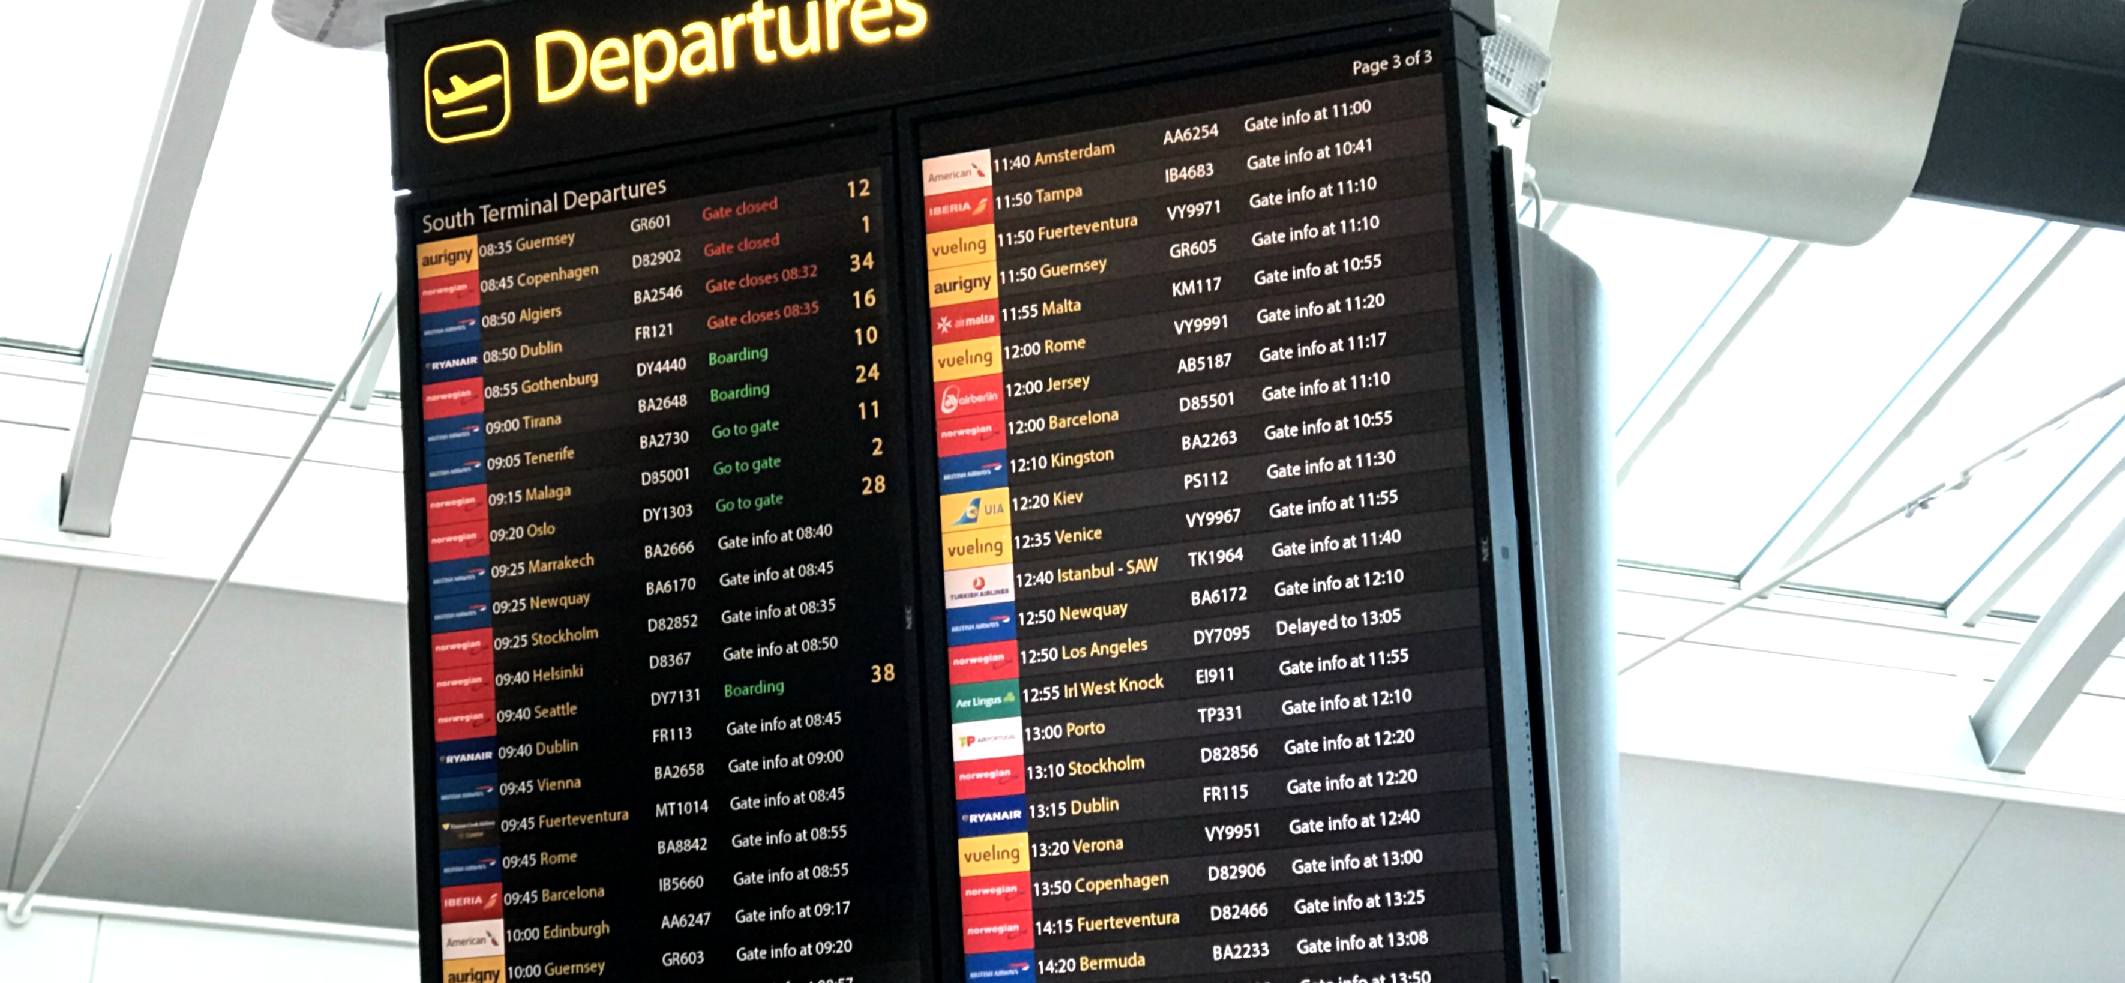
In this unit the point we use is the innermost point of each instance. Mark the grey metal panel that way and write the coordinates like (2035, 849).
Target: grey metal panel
(33, 609)
(269, 778)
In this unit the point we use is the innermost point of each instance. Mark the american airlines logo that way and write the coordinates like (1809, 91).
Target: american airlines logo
(472, 940)
(957, 172)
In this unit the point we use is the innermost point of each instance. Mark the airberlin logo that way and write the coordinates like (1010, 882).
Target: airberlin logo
(468, 85)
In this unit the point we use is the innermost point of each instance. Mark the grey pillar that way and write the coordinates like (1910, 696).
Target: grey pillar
(1568, 423)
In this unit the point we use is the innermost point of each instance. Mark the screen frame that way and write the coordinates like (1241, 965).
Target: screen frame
(1500, 499)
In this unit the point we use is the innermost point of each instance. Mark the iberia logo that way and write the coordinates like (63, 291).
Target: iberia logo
(467, 91)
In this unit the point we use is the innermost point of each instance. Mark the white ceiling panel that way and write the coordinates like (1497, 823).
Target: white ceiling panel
(1755, 877)
(33, 603)
(53, 948)
(2042, 898)
(144, 952)
(29, 483)
(270, 778)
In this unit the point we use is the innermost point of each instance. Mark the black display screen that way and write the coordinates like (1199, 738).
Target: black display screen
(667, 576)
(1047, 531)
(1208, 539)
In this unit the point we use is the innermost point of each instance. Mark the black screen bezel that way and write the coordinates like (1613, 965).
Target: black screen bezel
(1499, 496)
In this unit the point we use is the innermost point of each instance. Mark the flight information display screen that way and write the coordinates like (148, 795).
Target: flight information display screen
(666, 569)
(1208, 533)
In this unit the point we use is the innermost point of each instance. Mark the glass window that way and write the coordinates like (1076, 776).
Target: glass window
(1930, 555)
(2054, 354)
(1660, 279)
(2033, 595)
(74, 163)
(291, 240)
(1824, 355)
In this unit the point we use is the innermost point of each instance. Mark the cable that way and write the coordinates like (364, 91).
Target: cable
(18, 912)
(1911, 508)
(1533, 189)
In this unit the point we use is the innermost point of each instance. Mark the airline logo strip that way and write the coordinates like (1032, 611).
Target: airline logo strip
(461, 627)
(988, 728)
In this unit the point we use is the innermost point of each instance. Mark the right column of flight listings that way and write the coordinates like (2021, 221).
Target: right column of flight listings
(1209, 537)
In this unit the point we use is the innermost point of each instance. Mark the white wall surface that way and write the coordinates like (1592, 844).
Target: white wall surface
(83, 942)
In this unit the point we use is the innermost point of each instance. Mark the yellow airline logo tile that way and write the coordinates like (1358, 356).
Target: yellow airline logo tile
(449, 256)
(467, 91)
(955, 248)
(976, 510)
(979, 548)
(962, 285)
(1010, 853)
(966, 359)
(488, 970)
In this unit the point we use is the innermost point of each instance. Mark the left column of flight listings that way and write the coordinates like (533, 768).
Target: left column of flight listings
(669, 582)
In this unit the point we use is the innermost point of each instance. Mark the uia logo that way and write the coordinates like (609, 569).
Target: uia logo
(467, 91)
(971, 516)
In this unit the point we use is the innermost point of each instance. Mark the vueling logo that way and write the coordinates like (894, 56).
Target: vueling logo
(468, 84)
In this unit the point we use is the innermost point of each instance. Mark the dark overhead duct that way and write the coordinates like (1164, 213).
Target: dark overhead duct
(2032, 118)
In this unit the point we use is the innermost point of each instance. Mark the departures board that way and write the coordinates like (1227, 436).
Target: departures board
(886, 509)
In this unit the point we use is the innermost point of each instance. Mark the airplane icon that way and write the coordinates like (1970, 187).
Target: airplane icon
(461, 90)
(467, 91)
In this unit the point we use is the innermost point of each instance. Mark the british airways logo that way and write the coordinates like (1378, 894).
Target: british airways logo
(972, 472)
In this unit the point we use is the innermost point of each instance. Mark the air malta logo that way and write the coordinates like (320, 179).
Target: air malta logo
(467, 91)
(968, 322)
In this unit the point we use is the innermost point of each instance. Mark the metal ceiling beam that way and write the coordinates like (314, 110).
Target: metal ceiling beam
(122, 344)
(2053, 667)
(1758, 281)
(1965, 343)
(373, 364)
(2041, 531)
